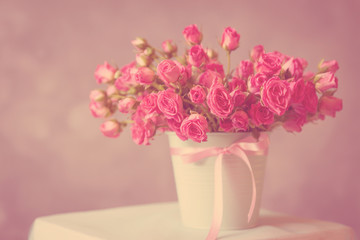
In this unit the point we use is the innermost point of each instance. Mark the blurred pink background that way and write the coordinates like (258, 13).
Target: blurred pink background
(54, 159)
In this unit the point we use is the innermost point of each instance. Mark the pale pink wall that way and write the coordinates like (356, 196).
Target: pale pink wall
(53, 158)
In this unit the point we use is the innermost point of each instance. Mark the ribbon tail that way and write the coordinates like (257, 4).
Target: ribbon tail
(253, 198)
(218, 200)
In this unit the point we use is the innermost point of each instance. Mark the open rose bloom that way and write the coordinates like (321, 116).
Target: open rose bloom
(191, 94)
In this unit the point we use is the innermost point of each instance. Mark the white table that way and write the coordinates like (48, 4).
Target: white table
(161, 221)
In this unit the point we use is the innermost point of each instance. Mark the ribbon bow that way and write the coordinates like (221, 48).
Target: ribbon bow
(240, 148)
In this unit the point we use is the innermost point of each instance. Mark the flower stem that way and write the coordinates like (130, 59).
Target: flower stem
(228, 66)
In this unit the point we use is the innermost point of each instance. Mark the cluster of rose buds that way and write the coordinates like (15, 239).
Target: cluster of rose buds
(191, 94)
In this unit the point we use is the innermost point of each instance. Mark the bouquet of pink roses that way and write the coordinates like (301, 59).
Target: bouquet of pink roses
(191, 94)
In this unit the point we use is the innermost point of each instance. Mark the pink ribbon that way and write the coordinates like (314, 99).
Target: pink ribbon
(241, 148)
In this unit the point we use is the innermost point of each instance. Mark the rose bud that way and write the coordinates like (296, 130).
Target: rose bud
(326, 81)
(169, 46)
(126, 105)
(139, 43)
(329, 105)
(197, 94)
(211, 54)
(98, 96)
(230, 39)
(168, 71)
(143, 60)
(104, 73)
(144, 75)
(328, 66)
(111, 128)
(99, 110)
(111, 90)
(149, 51)
(293, 68)
(192, 35)
(256, 52)
(197, 56)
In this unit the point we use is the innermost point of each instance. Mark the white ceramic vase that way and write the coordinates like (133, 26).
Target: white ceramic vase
(195, 184)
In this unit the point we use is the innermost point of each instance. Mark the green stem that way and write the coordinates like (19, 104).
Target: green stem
(228, 66)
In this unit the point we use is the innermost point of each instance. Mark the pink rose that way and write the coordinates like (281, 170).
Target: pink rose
(170, 104)
(185, 73)
(255, 82)
(310, 98)
(100, 110)
(197, 56)
(168, 71)
(216, 67)
(326, 81)
(298, 90)
(256, 52)
(276, 95)
(329, 105)
(219, 101)
(149, 103)
(238, 97)
(308, 76)
(127, 77)
(230, 39)
(237, 83)
(197, 94)
(283, 57)
(98, 96)
(293, 68)
(208, 78)
(195, 127)
(240, 121)
(144, 75)
(269, 64)
(295, 119)
(192, 35)
(175, 126)
(226, 124)
(169, 46)
(142, 132)
(104, 73)
(328, 66)
(111, 128)
(126, 105)
(143, 60)
(245, 69)
(260, 115)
